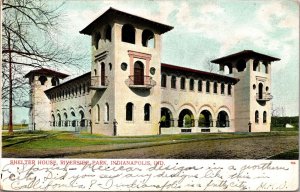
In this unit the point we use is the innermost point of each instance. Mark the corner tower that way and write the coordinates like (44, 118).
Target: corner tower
(252, 97)
(125, 74)
(40, 106)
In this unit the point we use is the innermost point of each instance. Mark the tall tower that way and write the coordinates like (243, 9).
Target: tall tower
(40, 107)
(125, 74)
(252, 93)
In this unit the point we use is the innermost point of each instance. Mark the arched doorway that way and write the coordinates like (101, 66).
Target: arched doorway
(166, 117)
(205, 119)
(223, 119)
(186, 118)
(138, 73)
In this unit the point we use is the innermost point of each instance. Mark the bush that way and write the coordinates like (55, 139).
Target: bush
(187, 121)
(282, 121)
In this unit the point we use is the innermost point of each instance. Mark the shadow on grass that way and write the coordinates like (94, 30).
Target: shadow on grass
(288, 155)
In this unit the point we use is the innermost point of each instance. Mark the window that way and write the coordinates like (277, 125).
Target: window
(222, 88)
(207, 86)
(43, 79)
(106, 117)
(129, 112)
(255, 65)
(98, 112)
(265, 117)
(128, 34)
(182, 83)
(147, 112)
(229, 89)
(215, 87)
(256, 117)
(54, 81)
(148, 38)
(103, 74)
(192, 84)
(199, 85)
(265, 67)
(108, 33)
(260, 90)
(241, 65)
(163, 80)
(173, 82)
(96, 40)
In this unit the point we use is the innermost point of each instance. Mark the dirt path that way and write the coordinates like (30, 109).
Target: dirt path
(241, 148)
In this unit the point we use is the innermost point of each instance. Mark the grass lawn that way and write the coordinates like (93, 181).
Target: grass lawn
(293, 154)
(53, 140)
(16, 127)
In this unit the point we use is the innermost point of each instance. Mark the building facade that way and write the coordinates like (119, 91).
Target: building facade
(130, 92)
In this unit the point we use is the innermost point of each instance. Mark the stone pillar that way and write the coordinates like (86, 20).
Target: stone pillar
(175, 122)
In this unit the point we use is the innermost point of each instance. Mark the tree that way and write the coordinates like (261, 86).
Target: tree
(209, 66)
(29, 29)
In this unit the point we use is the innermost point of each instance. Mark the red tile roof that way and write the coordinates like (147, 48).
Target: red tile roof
(111, 12)
(245, 53)
(44, 71)
(202, 74)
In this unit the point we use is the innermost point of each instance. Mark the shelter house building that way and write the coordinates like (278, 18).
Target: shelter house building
(130, 92)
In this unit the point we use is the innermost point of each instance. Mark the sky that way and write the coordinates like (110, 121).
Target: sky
(206, 29)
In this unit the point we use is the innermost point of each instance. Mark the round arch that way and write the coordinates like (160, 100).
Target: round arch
(223, 119)
(224, 108)
(186, 118)
(188, 106)
(166, 117)
(208, 108)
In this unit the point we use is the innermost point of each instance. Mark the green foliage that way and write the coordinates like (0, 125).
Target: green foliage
(187, 121)
(282, 121)
(163, 119)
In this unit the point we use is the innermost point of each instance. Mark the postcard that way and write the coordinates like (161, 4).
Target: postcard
(150, 95)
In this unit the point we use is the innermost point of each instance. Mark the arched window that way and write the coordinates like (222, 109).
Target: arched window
(265, 67)
(215, 87)
(207, 86)
(82, 120)
(148, 38)
(97, 39)
(73, 117)
(128, 34)
(98, 113)
(256, 117)
(255, 65)
(200, 85)
(108, 33)
(103, 74)
(222, 88)
(53, 120)
(129, 112)
(173, 82)
(138, 73)
(163, 80)
(95, 72)
(42, 79)
(54, 81)
(265, 117)
(241, 65)
(191, 84)
(229, 89)
(66, 119)
(182, 83)
(59, 120)
(147, 112)
(106, 117)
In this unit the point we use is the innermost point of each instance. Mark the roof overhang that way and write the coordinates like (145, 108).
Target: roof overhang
(115, 14)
